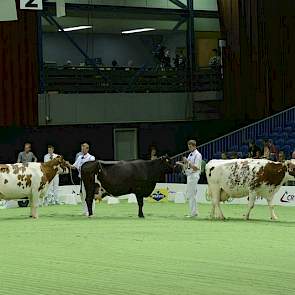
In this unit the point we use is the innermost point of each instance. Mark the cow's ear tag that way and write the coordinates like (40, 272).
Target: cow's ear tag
(167, 160)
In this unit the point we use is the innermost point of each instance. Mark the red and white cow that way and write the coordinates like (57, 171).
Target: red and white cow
(29, 180)
(240, 178)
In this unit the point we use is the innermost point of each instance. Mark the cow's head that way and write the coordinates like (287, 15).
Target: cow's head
(167, 164)
(61, 165)
(291, 168)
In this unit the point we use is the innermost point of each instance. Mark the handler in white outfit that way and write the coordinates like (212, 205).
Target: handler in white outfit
(51, 195)
(83, 158)
(193, 171)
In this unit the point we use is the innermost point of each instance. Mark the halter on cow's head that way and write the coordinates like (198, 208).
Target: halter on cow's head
(167, 163)
(60, 164)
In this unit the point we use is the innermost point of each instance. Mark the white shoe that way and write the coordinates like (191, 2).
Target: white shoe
(191, 216)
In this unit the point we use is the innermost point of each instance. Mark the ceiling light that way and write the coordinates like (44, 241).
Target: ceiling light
(138, 30)
(75, 28)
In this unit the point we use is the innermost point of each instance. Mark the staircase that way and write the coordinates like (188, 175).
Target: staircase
(279, 127)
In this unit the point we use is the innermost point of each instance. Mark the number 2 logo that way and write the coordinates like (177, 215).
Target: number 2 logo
(31, 4)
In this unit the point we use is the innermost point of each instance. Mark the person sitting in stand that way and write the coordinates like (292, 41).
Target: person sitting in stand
(114, 63)
(253, 148)
(223, 156)
(281, 157)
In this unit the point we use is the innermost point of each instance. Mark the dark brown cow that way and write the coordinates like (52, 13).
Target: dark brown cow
(124, 177)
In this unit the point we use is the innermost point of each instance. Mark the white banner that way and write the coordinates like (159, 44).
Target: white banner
(31, 4)
(70, 194)
(285, 196)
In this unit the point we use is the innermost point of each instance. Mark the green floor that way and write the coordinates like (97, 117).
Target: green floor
(117, 253)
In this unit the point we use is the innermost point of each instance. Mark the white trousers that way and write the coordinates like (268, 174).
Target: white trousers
(51, 197)
(191, 192)
(83, 200)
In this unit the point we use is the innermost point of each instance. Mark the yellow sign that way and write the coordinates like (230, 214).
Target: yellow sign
(159, 195)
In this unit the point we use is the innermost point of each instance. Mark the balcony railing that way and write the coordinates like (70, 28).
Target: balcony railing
(107, 79)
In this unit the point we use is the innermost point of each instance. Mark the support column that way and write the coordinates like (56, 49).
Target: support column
(190, 45)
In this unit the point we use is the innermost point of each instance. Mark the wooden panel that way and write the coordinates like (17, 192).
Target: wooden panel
(18, 70)
(259, 70)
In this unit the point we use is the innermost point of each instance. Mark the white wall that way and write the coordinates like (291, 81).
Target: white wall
(95, 108)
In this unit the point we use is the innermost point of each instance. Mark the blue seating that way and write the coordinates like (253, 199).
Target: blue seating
(259, 142)
(279, 141)
(291, 142)
(284, 135)
(217, 155)
(291, 124)
(240, 155)
(276, 134)
(283, 138)
(234, 148)
(244, 149)
(263, 136)
(288, 129)
(286, 149)
(278, 129)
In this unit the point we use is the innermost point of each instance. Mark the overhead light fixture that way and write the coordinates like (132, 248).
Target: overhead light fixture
(138, 30)
(75, 28)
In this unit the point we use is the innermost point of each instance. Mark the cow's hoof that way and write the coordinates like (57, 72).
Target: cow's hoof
(141, 216)
(274, 218)
(90, 216)
(35, 217)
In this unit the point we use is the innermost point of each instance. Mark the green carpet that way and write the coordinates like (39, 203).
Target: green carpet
(117, 253)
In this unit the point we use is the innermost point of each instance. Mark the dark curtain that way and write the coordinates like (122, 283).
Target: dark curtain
(19, 71)
(259, 62)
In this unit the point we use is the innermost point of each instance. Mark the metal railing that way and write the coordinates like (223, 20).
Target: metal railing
(258, 130)
(74, 79)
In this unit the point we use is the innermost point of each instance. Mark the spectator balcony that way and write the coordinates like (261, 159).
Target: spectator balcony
(120, 79)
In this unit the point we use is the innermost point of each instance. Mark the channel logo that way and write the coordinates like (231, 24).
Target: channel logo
(287, 198)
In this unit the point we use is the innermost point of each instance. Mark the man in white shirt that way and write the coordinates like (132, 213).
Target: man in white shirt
(51, 195)
(193, 170)
(79, 154)
(83, 158)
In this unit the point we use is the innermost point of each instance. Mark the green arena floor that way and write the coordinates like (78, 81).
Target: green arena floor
(117, 253)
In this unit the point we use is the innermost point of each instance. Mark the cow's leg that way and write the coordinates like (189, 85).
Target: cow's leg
(90, 205)
(87, 195)
(271, 208)
(252, 198)
(140, 205)
(87, 198)
(220, 214)
(215, 193)
(34, 200)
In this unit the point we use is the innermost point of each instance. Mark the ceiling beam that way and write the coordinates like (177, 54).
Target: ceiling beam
(164, 13)
(179, 24)
(179, 4)
(206, 14)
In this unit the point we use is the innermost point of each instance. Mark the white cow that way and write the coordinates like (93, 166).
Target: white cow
(240, 178)
(29, 180)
